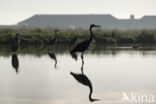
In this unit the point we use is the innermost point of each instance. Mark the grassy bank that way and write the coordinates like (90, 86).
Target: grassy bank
(39, 50)
(115, 37)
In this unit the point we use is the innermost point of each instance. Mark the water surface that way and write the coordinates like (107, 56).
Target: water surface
(111, 73)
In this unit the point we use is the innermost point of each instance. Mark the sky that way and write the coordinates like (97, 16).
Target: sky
(14, 11)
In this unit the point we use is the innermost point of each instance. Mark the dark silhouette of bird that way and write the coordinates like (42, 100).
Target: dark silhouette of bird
(83, 46)
(53, 41)
(83, 79)
(74, 55)
(15, 44)
(135, 46)
(15, 62)
(53, 56)
(73, 41)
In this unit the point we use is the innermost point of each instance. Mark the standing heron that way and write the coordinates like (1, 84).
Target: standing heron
(15, 44)
(73, 40)
(53, 41)
(83, 46)
(135, 46)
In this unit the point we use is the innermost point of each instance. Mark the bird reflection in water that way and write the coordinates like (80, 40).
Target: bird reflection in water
(15, 62)
(51, 43)
(53, 56)
(83, 79)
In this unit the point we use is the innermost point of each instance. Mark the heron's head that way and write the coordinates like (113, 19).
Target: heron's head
(92, 100)
(93, 25)
(17, 34)
(57, 30)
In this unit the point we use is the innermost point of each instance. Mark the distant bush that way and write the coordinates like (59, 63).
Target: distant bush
(40, 36)
(146, 37)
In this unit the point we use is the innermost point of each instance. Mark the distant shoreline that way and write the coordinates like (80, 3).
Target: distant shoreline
(110, 37)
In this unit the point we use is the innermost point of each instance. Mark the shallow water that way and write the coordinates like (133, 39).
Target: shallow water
(111, 73)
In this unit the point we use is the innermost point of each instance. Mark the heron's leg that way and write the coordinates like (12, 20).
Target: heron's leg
(82, 67)
(82, 55)
(82, 63)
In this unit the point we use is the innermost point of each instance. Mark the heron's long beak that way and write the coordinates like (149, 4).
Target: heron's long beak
(18, 35)
(97, 26)
(57, 30)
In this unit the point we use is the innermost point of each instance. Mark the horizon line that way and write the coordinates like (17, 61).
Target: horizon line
(76, 14)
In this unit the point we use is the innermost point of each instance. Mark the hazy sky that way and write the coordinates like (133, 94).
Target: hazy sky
(13, 11)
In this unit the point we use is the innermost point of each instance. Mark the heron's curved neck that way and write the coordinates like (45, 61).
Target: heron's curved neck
(55, 34)
(90, 94)
(91, 33)
(16, 37)
(82, 67)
